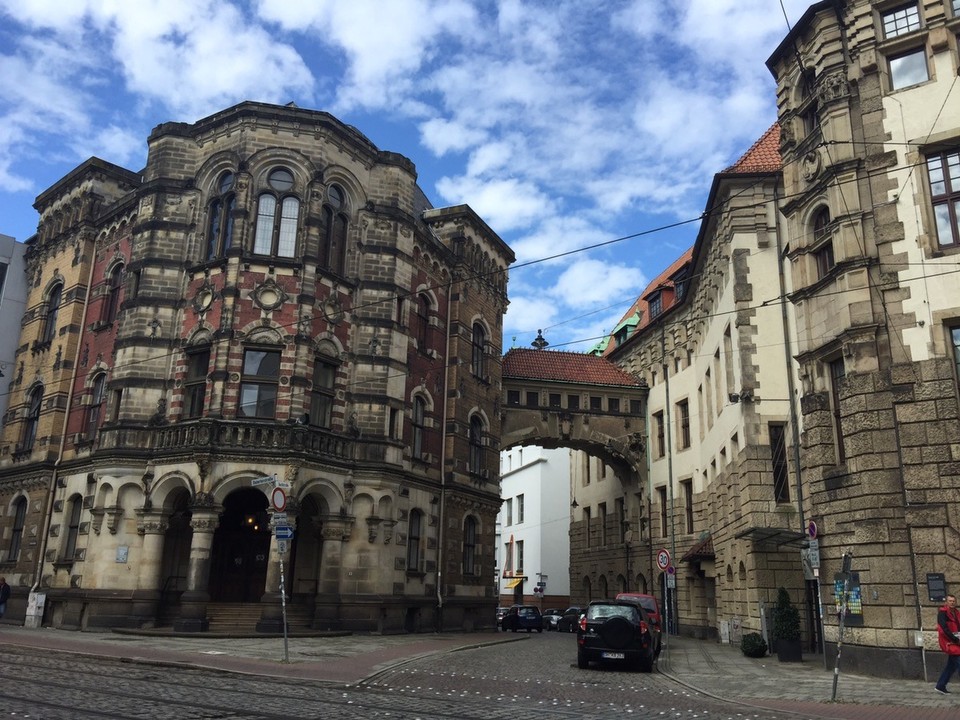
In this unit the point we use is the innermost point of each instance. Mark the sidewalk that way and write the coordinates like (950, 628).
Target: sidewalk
(720, 671)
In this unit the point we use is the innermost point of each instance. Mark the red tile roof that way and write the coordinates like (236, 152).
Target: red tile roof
(703, 550)
(562, 366)
(641, 305)
(763, 156)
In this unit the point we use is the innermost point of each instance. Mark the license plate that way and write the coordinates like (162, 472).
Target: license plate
(613, 656)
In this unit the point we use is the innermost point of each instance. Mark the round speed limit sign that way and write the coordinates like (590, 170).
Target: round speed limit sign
(663, 559)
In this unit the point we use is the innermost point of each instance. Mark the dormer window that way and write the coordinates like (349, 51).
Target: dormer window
(655, 304)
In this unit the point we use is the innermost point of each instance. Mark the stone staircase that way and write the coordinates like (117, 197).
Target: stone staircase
(241, 617)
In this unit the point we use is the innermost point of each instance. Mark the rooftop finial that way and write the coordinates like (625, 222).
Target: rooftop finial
(539, 342)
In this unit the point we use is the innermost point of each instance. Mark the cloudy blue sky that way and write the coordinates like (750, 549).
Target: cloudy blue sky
(563, 124)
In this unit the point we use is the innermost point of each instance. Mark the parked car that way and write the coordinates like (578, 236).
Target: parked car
(650, 604)
(570, 619)
(522, 617)
(614, 630)
(551, 617)
(501, 611)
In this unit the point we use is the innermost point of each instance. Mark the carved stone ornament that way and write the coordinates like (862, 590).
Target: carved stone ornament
(834, 87)
(269, 295)
(333, 310)
(811, 165)
(373, 526)
(204, 298)
(204, 524)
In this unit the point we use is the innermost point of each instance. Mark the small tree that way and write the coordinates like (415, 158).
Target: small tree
(786, 618)
(753, 645)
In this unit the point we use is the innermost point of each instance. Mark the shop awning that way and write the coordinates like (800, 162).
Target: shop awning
(773, 536)
(513, 582)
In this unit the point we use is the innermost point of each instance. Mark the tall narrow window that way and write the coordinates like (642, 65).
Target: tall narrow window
(98, 394)
(195, 382)
(520, 508)
(419, 426)
(943, 171)
(658, 428)
(220, 229)
(837, 373)
(258, 384)
(322, 394)
(519, 566)
(602, 517)
(16, 536)
(619, 510)
(508, 509)
(111, 303)
(479, 347)
(476, 445)
(35, 404)
(683, 424)
(276, 230)
(335, 221)
(470, 546)
(586, 526)
(687, 486)
(73, 528)
(413, 541)
(54, 298)
(423, 322)
(822, 236)
(664, 511)
(778, 456)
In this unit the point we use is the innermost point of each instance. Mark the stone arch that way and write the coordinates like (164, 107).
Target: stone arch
(586, 588)
(166, 489)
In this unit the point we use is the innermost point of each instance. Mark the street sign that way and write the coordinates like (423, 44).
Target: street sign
(283, 546)
(279, 518)
(812, 530)
(663, 559)
(265, 480)
(284, 484)
(279, 499)
(283, 532)
(671, 582)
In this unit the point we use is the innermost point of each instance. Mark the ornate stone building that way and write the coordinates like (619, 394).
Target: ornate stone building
(271, 297)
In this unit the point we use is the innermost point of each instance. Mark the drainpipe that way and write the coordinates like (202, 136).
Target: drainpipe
(48, 508)
(443, 458)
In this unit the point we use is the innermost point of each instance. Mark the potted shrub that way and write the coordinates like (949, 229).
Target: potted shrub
(753, 645)
(786, 628)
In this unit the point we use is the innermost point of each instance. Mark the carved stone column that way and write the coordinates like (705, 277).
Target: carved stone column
(151, 526)
(333, 533)
(271, 616)
(193, 602)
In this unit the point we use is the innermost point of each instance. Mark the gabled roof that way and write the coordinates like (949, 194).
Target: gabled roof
(762, 157)
(563, 366)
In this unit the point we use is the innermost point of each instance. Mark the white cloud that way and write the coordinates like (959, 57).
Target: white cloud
(505, 204)
(441, 136)
(587, 282)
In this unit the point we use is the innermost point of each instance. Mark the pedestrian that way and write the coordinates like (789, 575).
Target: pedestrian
(4, 595)
(948, 632)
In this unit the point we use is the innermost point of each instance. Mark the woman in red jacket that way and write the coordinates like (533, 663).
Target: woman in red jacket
(948, 631)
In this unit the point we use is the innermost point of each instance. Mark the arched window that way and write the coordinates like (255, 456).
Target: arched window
(220, 229)
(16, 537)
(54, 298)
(414, 528)
(195, 382)
(32, 420)
(335, 224)
(276, 232)
(470, 546)
(476, 445)
(423, 321)
(73, 527)
(258, 383)
(111, 303)
(322, 395)
(821, 224)
(418, 423)
(479, 350)
(822, 234)
(98, 395)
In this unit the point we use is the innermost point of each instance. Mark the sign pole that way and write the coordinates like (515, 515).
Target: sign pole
(843, 615)
(283, 610)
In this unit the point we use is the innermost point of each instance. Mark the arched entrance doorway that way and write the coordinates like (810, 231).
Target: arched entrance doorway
(176, 548)
(241, 548)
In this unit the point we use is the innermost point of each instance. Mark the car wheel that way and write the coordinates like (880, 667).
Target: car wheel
(582, 661)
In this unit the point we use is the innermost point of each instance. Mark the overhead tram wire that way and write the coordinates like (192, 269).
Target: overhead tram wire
(713, 209)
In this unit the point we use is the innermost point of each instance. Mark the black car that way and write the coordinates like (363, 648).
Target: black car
(616, 631)
(570, 619)
(522, 617)
(501, 611)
